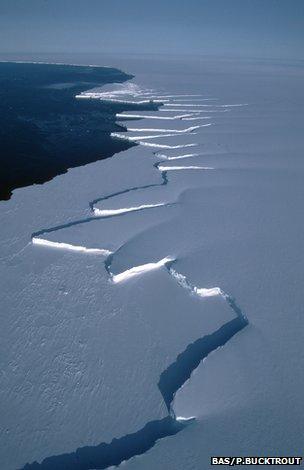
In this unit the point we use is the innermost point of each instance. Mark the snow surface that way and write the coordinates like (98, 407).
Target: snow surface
(82, 356)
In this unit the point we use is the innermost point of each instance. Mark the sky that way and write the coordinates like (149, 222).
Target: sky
(250, 28)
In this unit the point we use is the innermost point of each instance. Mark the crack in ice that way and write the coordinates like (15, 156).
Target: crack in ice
(170, 131)
(138, 270)
(68, 246)
(178, 168)
(177, 373)
(139, 138)
(147, 116)
(109, 212)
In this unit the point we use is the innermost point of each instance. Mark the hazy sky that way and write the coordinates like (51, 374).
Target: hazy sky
(259, 28)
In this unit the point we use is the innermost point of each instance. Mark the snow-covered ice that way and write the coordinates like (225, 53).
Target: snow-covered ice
(207, 321)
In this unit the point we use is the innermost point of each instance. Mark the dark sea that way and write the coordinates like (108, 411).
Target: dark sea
(44, 130)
